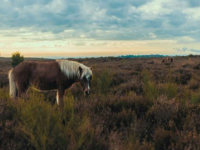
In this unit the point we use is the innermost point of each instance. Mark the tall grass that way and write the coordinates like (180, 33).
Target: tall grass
(162, 114)
(42, 123)
(153, 90)
(195, 97)
(4, 93)
(101, 82)
(168, 89)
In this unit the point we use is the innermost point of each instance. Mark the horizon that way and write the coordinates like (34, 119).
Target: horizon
(54, 28)
(105, 56)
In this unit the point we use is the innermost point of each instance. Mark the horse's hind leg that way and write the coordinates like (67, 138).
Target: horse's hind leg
(22, 88)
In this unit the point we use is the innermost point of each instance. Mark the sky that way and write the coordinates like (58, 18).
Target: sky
(84, 28)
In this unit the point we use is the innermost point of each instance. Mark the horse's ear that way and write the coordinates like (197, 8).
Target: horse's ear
(80, 70)
(91, 68)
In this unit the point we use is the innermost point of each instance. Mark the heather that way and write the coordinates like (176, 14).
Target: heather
(135, 103)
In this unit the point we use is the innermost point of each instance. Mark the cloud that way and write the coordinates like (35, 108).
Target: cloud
(185, 49)
(193, 3)
(105, 20)
(185, 39)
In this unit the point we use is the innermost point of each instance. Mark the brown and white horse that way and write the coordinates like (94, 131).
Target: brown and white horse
(45, 76)
(167, 59)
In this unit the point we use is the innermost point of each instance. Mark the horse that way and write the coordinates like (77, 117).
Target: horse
(56, 75)
(167, 59)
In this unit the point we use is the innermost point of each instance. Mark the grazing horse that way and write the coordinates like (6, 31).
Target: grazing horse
(45, 76)
(167, 59)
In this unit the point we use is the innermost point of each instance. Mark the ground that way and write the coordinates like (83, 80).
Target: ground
(135, 103)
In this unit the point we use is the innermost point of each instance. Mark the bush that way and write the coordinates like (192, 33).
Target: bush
(101, 82)
(41, 125)
(16, 59)
(162, 138)
(169, 89)
(150, 88)
(195, 98)
(128, 108)
(190, 55)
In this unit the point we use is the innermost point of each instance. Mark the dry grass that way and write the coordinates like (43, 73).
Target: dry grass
(139, 104)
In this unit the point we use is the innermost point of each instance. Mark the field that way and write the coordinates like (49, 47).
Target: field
(136, 104)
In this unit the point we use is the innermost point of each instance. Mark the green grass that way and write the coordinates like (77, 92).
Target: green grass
(153, 90)
(101, 82)
(195, 98)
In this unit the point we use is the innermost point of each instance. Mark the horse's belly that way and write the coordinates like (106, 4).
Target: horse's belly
(43, 90)
(45, 86)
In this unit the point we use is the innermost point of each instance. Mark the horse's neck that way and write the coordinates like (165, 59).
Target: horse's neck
(73, 79)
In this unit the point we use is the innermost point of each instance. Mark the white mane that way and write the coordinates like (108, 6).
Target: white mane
(71, 69)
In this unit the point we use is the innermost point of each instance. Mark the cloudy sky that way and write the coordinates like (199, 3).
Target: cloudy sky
(99, 27)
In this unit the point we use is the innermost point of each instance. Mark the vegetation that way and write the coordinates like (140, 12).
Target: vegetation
(143, 56)
(134, 104)
(16, 59)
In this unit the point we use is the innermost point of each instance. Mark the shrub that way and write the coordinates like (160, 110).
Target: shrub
(168, 89)
(4, 94)
(195, 98)
(150, 88)
(190, 55)
(193, 84)
(101, 82)
(197, 67)
(135, 144)
(186, 140)
(16, 59)
(128, 87)
(163, 138)
(41, 124)
(157, 108)
(183, 76)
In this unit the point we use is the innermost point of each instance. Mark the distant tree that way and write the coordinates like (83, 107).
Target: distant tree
(16, 59)
(190, 55)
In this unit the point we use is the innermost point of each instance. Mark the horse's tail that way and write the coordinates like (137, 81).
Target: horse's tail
(12, 84)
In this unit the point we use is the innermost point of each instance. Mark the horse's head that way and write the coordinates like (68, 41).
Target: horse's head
(85, 78)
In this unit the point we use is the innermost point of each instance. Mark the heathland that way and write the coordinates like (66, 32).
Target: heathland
(135, 103)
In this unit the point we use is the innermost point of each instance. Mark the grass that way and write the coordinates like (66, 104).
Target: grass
(139, 106)
(195, 98)
(42, 123)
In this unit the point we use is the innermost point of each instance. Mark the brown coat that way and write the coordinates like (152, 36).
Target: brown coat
(167, 59)
(53, 75)
(42, 75)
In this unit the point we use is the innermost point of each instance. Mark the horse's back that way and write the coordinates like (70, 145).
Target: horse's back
(23, 70)
(44, 75)
(45, 68)
(33, 66)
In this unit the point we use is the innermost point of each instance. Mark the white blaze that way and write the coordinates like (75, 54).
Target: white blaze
(88, 81)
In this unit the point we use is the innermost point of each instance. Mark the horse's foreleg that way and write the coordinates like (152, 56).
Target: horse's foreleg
(60, 102)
